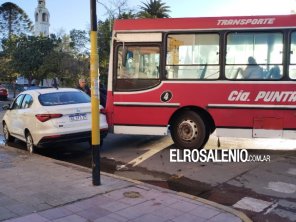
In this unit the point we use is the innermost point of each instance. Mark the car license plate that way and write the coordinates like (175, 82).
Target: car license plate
(78, 117)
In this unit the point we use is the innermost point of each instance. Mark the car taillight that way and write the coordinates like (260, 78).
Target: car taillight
(45, 117)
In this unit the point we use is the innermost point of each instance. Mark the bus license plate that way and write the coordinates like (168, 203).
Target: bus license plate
(78, 117)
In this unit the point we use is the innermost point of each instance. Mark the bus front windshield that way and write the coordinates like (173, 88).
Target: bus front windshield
(137, 67)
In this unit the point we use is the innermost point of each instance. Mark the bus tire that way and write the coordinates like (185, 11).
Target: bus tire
(189, 131)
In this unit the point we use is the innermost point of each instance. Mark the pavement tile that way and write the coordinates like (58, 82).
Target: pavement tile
(71, 218)
(134, 211)
(56, 213)
(6, 214)
(81, 205)
(165, 200)
(119, 194)
(29, 218)
(168, 212)
(42, 207)
(93, 213)
(115, 206)
(21, 209)
(183, 206)
(224, 217)
(190, 218)
(204, 212)
(112, 218)
(97, 201)
(6, 201)
(150, 218)
(75, 207)
(133, 201)
(118, 217)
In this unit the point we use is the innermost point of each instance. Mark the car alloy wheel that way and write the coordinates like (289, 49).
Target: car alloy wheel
(7, 136)
(30, 143)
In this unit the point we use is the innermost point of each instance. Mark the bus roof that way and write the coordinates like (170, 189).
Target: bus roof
(206, 23)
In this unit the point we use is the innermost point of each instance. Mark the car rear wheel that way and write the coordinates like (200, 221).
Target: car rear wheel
(189, 131)
(30, 143)
(7, 136)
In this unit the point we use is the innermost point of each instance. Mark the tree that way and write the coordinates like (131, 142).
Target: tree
(27, 54)
(154, 9)
(104, 38)
(13, 20)
(127, 15)
(79, 41)
(115, 8)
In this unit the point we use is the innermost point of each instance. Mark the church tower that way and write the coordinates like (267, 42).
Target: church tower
(41, 19)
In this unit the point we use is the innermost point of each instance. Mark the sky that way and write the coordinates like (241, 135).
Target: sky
(66, 15)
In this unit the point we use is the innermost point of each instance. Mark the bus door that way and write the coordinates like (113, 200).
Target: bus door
(137, 61)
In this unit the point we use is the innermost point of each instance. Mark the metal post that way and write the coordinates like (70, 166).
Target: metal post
(95, 97)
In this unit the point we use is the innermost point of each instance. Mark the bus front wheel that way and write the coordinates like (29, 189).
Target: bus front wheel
(189, 131)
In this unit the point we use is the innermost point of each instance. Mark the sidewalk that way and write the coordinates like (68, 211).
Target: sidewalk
(34, 188)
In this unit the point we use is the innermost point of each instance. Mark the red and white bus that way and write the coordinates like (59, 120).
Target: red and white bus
(192, 76)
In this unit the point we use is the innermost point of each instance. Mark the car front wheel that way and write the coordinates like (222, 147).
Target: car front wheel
(29, 142)
(7, 136)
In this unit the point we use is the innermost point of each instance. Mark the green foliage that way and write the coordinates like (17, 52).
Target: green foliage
(154, 9)
(13, 21)
(27, 54)
(41, 58)
(79, 41)
(65, 56)
(127, 15)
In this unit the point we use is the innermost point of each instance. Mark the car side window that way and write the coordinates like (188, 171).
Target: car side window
(27, 102)
(18, 102)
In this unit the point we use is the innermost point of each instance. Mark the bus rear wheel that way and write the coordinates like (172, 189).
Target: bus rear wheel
(189, 131)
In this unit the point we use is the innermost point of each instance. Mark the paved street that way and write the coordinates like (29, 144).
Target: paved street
(264, 191)
(39, 189)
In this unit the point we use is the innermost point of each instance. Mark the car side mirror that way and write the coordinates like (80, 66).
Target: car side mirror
(6, 107)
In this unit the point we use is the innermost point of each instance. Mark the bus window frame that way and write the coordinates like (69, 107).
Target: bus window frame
(252, 31)
(288, 53)
(116, 46)
(165, 47)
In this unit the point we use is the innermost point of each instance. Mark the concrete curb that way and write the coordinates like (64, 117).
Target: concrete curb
(230, 210)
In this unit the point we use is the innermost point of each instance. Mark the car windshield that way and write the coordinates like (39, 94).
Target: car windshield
(63, 98)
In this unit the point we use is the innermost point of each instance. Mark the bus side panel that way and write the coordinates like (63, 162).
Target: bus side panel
(231, 104)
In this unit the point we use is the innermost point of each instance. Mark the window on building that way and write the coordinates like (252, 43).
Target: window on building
(44, 17)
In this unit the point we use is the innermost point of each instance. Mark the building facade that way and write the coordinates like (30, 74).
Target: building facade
(41, 19)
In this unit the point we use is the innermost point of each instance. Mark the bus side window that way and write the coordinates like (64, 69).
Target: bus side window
(267, 48)
(274, 73)
(192, 56)
(140, 62)
(292, 65)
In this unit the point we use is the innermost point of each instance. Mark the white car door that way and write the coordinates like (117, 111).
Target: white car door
(24, 118)
(14, 119)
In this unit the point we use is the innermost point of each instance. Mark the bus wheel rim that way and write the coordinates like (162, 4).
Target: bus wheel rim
(188, 130)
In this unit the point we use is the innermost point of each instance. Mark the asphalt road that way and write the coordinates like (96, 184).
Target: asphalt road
(265, 191)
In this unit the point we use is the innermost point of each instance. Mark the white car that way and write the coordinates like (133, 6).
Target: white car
(43, 116)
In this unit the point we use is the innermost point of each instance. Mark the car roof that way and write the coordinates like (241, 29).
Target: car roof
(50, 90)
